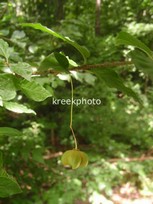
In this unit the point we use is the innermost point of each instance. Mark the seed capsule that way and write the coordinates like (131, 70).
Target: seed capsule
(74, 158)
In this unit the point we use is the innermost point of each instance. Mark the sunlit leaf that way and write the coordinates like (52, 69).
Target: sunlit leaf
(72, 63)
(4, 49)
(22, 69)
(127, 39)
(7, 87)
(34, 90)
(83, 50)
(18, 108)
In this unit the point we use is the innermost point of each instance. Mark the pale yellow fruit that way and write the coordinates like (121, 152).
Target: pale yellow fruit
(84, 159)
(74, 158)
(65, 157)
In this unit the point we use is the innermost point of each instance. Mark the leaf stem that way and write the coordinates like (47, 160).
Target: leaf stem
(71, 115)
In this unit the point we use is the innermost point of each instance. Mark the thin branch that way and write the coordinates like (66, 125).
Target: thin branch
(114, 160)
(92, 66)
(85, 67)
(144, 158)
(52, 155)
(103, 65)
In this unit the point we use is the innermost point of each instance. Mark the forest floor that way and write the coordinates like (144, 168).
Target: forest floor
(123, 195)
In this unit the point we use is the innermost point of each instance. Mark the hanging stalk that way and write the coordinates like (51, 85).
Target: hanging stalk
(74, 158)
(71, 115)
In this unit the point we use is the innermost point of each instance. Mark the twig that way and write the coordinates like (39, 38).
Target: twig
(130, 159)
(92, 66)
(103, 65)
(52, 155)
(142, 158)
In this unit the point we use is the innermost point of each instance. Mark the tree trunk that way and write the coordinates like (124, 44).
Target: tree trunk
(59, 10)
(97, 18)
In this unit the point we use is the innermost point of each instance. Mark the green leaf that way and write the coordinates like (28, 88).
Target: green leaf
(113, 80)
(4, 49)
(142, 62)
(84, 52)
(72, 63)
(18, 108)
(22, 69)
(8, 185)
(7, 87)
(34, 90)
(7, 131)
(62, 60)
(51, 62)
(127, 39)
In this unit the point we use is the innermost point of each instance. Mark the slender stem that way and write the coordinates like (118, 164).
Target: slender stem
(71, 115)
(105, 65)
